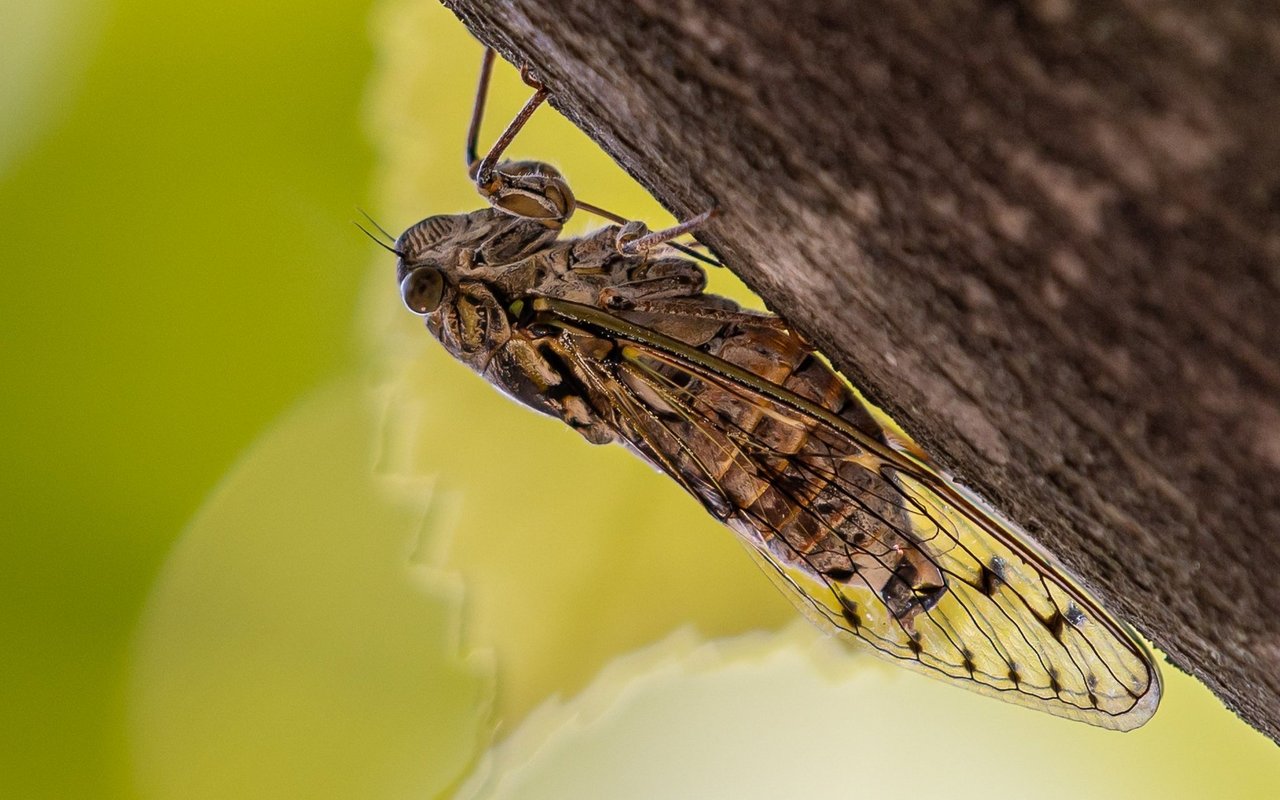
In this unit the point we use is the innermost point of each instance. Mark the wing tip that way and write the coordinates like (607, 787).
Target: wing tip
(1145, 707)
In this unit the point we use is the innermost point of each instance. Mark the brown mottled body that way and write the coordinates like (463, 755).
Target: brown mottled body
(614, 334)
(495, 264)
(741, 412)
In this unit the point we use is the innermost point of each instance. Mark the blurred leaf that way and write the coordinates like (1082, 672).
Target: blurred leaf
(176, 184)
(42, 53)
(795, 715)
(296, 644)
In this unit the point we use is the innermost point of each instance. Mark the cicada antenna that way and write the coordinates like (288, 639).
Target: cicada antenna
(376, 240)
(375, 224)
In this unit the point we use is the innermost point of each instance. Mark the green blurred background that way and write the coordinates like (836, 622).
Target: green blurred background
(262, 539)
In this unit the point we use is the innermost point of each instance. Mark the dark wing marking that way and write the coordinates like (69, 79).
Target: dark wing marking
(1006, 621)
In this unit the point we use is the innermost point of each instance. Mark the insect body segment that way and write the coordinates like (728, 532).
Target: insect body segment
(614, 334)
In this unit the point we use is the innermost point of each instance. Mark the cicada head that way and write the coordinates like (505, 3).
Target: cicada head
(424, 252)
(436, 284)
(485, 247)
(464, 273)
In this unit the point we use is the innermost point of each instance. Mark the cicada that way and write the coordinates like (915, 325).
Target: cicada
(614, 333)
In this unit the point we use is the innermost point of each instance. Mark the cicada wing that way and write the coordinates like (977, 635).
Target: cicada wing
(1003, 627)
(895, 556)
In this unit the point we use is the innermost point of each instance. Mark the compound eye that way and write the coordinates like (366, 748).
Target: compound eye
(421, 290)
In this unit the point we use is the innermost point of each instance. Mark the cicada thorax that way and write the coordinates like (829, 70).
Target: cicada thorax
(544, 368)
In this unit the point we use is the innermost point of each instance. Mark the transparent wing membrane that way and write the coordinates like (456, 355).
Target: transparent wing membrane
(867, 541)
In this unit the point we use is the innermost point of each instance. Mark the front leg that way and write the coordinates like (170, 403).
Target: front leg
(643, 281)
(538, 372)
(635, 238)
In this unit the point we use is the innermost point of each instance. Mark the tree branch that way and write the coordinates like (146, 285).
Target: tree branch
(1043, 235)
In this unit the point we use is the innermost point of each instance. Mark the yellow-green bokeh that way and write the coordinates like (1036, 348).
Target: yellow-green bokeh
(262, 538)
(176, 185)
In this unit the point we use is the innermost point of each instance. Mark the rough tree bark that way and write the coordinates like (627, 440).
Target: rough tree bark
(1045, 236)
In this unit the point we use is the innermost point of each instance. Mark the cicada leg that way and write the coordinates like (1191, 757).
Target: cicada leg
(685, 227)
(477, 111)
(537, 190)
(529, 189)
(635, 238)
(482, 170)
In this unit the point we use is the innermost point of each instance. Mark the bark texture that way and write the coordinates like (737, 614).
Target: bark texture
(1045, 236)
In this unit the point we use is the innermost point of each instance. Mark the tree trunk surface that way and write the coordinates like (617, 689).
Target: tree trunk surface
(1044, 236)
